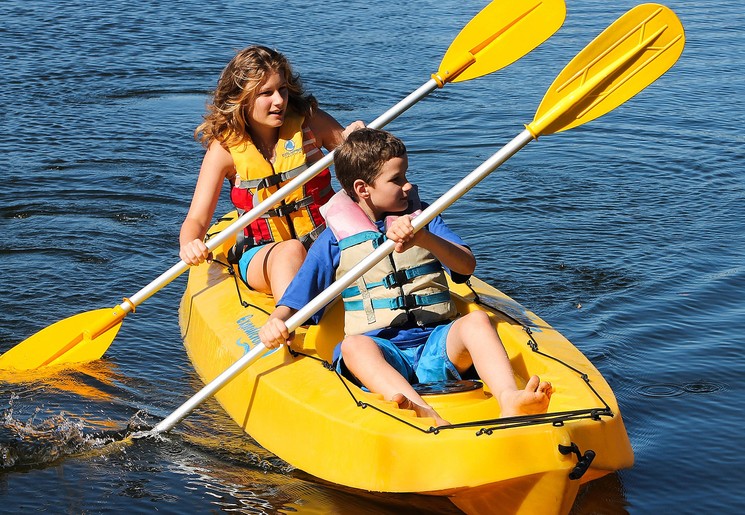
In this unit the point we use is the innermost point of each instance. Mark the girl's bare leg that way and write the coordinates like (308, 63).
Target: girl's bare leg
(273, 267)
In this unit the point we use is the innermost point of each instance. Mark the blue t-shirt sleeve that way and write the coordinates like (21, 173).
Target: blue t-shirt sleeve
(316, 274)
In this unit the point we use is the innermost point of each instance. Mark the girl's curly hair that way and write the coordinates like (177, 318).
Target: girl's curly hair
(236, 91)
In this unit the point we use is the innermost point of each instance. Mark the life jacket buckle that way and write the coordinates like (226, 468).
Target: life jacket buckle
(268, 182)
(284, 209)
(406, 302)
(377, 242)
(397, 278)
(291, 207)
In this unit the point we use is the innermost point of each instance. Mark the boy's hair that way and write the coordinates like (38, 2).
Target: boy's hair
(236, 91)
(362, 156)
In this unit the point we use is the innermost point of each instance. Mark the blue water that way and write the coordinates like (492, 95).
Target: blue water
(626, 234)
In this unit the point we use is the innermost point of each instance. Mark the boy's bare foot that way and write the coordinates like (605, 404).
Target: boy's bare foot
(421, 411)
(533, 399)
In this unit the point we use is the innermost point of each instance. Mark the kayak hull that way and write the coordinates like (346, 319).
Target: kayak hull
(297, 407)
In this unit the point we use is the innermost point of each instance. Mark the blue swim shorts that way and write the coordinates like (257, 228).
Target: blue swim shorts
(426, 363)
(246, 258)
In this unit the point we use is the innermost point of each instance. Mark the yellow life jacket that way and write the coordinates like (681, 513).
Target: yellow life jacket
(402, 287)
(256, 179)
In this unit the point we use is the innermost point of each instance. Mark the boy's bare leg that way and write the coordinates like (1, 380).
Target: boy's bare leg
(472, 340)
(365, 360)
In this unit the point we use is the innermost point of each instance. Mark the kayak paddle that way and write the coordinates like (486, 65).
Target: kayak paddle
(501, 33)
(627, 57)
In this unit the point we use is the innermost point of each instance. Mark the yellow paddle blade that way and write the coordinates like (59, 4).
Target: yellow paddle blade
(503, 32)
(79, 338)
(624, 59)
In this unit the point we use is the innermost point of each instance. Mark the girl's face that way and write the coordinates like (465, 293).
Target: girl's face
(270, 104)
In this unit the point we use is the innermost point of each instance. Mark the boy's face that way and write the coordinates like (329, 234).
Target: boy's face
(389, 192)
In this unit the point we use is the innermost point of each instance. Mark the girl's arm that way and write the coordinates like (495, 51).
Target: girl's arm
(216, 166)
(329, 133)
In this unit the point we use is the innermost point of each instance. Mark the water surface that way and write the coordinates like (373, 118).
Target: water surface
(625, 234)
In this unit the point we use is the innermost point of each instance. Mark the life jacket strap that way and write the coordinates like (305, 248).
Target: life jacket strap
(308, 239)
(243, 243)
(291, 207)
(271, 180)
(401, 277)
(406, 302)
(397, 278)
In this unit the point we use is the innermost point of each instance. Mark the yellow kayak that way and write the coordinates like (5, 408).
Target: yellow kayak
(293, 404)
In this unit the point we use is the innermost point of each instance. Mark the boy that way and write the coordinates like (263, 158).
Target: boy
(400, 323)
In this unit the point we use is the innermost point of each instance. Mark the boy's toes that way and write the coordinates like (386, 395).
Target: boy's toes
(533, 384)
(546, 388)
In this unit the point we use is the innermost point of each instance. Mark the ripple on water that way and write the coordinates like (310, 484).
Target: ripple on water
(673, 390)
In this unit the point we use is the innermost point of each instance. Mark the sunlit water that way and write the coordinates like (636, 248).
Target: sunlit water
(626, 234)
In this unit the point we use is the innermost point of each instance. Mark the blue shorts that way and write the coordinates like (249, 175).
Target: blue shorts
(246, 258)
(425, 363)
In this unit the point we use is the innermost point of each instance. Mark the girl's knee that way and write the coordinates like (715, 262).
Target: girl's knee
(286, 255)
(292, 250)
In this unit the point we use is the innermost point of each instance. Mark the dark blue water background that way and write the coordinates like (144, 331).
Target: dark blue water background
(626, 234)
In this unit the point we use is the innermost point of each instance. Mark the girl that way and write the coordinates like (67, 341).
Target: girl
(260, 131)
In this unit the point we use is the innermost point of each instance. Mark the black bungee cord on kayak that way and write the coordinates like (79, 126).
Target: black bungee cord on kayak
(232, 272)
(487, 426)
